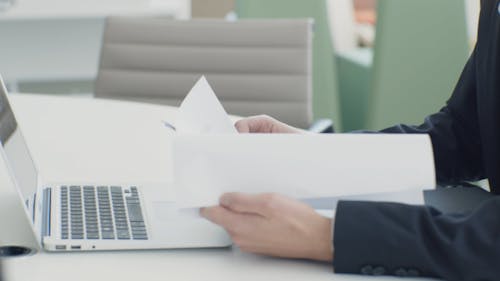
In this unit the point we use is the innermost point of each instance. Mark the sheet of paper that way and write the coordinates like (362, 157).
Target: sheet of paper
(406, 196)
(201, 112)
(301, 166)
(326, 206)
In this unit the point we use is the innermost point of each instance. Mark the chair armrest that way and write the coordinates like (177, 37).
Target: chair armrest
(322, 126)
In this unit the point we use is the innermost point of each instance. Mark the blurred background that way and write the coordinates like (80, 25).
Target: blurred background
(375, 63)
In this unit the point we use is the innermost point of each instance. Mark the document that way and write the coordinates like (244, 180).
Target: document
(300, 166)
(201, 112)
(210, 158)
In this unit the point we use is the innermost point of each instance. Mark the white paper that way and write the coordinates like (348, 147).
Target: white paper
(300, 166)
(405, 196)
(326, 206)
(201, 112)
(210, 158)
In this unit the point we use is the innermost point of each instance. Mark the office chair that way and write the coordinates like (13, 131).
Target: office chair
(255, 66)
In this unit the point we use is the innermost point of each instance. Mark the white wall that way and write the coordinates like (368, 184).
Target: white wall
(342, 25)
(472, 13)
(51, 41)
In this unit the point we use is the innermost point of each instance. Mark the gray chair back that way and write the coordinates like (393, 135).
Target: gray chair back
(254, 66)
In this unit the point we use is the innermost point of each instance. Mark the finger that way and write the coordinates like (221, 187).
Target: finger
(246, 203)
(242, 126)
(219, 215)
(238, 225)
(255, 124)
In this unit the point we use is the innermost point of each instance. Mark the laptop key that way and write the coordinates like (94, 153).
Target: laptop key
(123, 234)
(77, 236)
(137, 224)
(145, 237)
(108, 235)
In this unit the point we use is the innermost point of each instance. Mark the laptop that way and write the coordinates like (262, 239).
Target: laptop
(76, 216)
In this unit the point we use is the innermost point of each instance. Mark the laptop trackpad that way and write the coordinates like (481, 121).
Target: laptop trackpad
(168, 211)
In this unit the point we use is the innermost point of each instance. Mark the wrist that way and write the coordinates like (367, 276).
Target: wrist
(323, 246)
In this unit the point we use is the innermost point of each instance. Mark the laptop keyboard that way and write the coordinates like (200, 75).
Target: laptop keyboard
(102, 212)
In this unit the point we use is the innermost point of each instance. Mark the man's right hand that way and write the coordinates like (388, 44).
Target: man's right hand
(266, 125)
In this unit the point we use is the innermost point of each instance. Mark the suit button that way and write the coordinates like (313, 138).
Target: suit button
(401, 272)
(379, 270)
(367, 270)
(413, 273)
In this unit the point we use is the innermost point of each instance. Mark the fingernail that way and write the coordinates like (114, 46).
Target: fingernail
(202, 211)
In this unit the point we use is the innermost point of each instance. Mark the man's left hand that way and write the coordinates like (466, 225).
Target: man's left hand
(272, 224)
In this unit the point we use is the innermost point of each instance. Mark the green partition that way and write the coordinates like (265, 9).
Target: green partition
(420, 49)
(325, 92)
(355, 73)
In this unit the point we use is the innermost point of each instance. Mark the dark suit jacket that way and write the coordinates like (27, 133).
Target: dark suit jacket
(396, 239)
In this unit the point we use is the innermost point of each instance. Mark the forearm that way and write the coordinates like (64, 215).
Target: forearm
(456, 148)
(397, 239)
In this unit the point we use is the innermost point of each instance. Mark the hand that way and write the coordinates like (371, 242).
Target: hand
(272, 224)
(265, 124)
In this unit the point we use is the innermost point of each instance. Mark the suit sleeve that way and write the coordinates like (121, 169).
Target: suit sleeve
(454, 132)
(397, 239)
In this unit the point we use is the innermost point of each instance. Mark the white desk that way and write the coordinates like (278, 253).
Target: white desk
(73, 139)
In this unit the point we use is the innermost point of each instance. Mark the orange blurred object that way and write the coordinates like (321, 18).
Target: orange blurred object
(365, 11)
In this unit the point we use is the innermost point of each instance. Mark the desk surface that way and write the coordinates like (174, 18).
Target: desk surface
(68, 135)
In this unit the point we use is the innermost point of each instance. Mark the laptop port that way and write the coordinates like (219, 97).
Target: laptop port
(76, 247)
(60, 247)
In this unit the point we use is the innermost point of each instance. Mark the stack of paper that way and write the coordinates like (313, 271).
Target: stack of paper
(211, 158)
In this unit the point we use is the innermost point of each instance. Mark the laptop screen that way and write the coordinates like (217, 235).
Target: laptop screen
(15, 148)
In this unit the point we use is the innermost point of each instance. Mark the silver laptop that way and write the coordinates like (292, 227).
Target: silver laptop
(77, 216)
